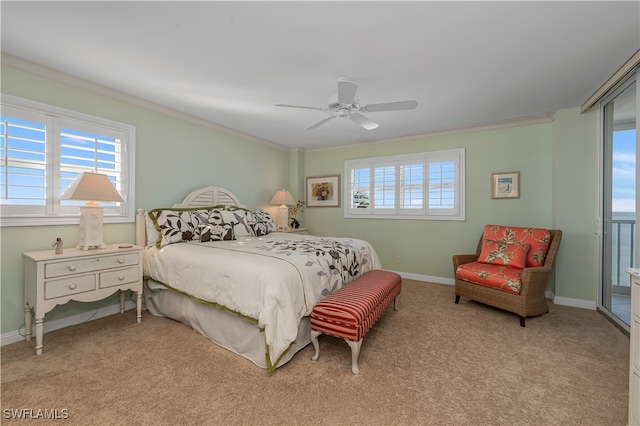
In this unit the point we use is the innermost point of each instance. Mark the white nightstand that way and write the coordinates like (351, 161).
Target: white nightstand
(84, 275)
(302, 231)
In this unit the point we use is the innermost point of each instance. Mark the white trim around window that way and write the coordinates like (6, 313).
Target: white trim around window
(43, 148)
(426, 185)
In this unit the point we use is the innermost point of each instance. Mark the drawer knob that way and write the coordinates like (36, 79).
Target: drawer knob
(121, 277)
(120, 260)
(72, 267)
(72, 286)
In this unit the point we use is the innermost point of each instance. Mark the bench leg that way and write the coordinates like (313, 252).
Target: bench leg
(395, 303)
(355, 353)
(314, 340)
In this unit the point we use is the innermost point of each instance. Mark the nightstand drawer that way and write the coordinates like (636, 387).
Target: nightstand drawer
(77, 266)
(123, 276)
(69, 286)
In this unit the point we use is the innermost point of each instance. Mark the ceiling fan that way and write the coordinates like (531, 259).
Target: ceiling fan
(346, 104)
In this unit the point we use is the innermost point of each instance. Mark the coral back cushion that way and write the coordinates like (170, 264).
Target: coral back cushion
(513, 255)
(537, 238)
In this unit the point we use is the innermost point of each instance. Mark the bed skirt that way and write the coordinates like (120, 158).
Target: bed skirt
(229, 331)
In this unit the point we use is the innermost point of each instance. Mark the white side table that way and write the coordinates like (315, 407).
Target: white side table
(84, 275)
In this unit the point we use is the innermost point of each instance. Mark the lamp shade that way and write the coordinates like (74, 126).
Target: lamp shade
(283, 197)
(91, 187)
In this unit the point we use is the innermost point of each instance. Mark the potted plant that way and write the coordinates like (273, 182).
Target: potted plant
(295, 223)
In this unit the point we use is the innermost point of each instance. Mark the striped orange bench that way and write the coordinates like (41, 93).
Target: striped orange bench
(350, 312)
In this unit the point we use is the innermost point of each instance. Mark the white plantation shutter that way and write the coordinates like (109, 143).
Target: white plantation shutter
(23, 163)
(384, 194)
(428, 185)
(43, 148)
(411, 189)
(359, 190)
(443, 186)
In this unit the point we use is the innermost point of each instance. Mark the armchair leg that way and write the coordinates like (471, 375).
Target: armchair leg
(521, 321)
(457, 299)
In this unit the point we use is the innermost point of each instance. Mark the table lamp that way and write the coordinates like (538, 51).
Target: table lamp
(91, 187)
(284, 199)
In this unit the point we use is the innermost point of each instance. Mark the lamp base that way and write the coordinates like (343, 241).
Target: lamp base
(91, 220)
(283, 218)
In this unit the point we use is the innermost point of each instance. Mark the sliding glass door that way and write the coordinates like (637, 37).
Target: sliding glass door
(619, 202)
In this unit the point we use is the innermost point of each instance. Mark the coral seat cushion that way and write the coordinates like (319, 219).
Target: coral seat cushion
(504, 254)
(503, 278)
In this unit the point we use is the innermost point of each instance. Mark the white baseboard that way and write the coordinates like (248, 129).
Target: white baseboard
(575, 303)
(428, 278)
(15, 336)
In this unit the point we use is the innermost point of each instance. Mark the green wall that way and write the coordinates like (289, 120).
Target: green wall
(557, 161)
(575, 189)
(425, 247)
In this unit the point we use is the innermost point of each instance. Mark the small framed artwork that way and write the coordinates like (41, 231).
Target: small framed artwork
(505, 185)
(323, 191)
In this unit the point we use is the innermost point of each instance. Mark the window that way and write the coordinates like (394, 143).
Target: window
(43, 148)
(428, 185)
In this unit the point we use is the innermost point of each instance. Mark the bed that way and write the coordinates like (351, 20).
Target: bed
(215, 265)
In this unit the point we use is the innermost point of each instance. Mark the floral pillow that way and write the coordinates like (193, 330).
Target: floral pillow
(538, 238)
(263, 223)
(176, 225)
(213, 227)
(513, 255)
(241, 221)
(209, 232)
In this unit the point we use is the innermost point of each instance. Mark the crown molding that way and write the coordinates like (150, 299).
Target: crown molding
(525, 121)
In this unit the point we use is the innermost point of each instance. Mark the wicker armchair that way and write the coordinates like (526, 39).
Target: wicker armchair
(529, 302)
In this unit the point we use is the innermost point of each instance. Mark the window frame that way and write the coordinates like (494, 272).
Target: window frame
(53, 213)
(425, 212)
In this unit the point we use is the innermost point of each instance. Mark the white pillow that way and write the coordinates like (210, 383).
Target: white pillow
(151, 231)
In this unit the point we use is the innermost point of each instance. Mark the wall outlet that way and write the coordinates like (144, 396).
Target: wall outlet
(397, 260)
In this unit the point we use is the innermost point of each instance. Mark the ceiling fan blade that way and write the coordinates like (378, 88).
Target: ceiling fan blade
(363, 121)
(300, 106)
(390, 106)
(346, 91)
(321, 122)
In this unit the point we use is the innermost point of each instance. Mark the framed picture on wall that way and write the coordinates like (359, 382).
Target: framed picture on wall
(323, 191)
(505, 185)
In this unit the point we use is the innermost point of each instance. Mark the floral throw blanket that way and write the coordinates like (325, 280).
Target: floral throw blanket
(335, 262)
(275, 280)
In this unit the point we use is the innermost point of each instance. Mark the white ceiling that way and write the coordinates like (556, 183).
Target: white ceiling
(465, 63)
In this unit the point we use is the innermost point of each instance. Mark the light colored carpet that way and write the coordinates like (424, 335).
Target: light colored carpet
(431, 362)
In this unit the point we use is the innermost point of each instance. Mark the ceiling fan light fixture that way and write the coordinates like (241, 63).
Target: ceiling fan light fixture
(347, 104)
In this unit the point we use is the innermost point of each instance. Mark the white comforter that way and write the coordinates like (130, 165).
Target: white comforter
(275, 280)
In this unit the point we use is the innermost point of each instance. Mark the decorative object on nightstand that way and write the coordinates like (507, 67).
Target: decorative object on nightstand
(284, 199)
(86, 276)
(58, 245)
(295, 223)
(91, 187)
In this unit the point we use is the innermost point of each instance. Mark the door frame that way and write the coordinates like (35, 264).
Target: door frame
(624, 84)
